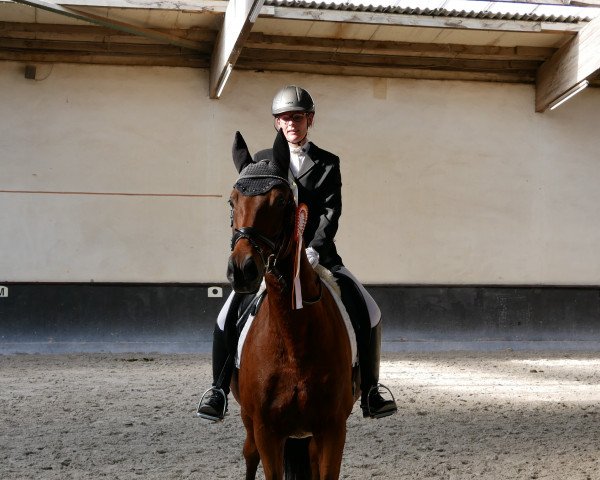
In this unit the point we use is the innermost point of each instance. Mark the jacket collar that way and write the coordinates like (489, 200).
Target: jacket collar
(308, 163)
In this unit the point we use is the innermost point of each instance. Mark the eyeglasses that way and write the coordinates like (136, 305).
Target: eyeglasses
(293, 117)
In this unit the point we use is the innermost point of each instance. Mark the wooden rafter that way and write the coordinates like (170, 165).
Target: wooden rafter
(411, 49)
(108, 23)
(402, 66)
(51, 31)
(573, 63)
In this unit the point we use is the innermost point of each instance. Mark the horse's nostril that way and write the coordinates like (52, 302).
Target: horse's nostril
(230, 271)
(245, 276)
(250, 269)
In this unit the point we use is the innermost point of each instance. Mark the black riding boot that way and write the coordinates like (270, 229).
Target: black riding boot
(213, 404)
(369, 349)
(371, 402)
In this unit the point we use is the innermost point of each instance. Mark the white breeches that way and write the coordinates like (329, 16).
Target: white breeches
(374, 312)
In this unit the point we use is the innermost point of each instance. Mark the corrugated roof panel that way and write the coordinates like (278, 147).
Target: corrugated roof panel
(457, 8)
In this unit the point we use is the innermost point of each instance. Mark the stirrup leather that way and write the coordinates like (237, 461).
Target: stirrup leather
(211, 417)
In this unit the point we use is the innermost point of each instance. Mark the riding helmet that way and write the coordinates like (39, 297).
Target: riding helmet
(292, 99)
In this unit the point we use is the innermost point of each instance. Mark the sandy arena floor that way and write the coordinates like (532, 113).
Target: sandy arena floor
(498, 415)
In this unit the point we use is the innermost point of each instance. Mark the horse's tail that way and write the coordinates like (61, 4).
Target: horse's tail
(296, 459)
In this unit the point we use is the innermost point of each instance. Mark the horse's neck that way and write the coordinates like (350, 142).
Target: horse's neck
(279, 283)
(290, 325)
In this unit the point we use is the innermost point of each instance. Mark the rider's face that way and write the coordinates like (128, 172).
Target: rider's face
(294, 125)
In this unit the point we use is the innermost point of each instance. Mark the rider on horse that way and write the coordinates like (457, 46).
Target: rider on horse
(315, 178)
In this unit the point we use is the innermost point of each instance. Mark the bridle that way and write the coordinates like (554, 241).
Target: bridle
(257, 240)
(260, 242)
(278, 247)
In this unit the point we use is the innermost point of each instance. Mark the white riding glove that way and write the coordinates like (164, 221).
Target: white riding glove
(313, 256)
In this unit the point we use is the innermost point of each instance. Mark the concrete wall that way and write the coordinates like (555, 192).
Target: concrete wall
(445, 183)
(175, 318)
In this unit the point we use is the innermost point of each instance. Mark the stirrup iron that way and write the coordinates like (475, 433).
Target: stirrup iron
(210, 417)
(367, 408)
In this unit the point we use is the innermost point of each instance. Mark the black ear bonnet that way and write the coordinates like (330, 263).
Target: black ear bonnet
(258, 178)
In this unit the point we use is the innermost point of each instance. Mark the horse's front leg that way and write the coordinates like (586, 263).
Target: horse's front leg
(252, 458)
(250, 451)
(270, 448)
(330, 447)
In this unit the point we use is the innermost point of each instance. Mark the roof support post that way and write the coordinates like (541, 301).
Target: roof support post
(239, 19)
(569, 67)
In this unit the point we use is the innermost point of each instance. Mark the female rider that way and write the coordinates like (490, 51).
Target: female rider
(316, 180)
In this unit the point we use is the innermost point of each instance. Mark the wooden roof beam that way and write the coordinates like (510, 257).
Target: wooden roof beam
(239, 19)
(112, 24)
(387, 47)
(569, 68)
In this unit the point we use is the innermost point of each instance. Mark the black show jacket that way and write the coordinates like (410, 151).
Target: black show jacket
(320, 188)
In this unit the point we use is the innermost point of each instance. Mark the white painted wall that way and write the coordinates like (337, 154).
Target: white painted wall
(444, 182)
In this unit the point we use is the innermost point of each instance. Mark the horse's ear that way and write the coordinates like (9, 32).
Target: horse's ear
(240, 153)
(281, 152)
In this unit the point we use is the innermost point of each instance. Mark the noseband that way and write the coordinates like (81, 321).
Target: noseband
(256, 238)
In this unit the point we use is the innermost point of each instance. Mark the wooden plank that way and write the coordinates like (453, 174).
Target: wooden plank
(112, 24)
(239, 19)
(50, 30)
(90, 34)
(319, 59)
(569, 66)
(93, 47)
(280, 42)
(388, 72)
(195, 61)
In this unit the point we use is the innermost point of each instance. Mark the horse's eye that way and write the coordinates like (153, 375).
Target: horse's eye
(280, 201)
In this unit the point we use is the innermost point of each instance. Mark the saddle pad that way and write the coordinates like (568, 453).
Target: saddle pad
(329, 281)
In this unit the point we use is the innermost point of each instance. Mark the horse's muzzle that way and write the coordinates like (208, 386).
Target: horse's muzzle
(244, 278)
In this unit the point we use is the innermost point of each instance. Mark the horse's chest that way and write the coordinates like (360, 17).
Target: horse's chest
(292, 395)
(290, 405)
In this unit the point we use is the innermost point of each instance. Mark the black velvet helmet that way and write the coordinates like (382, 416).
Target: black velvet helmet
(292, 99)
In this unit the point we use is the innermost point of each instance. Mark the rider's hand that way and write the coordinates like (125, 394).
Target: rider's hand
(313, 256)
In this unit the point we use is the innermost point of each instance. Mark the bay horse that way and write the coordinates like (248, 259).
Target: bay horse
(295, 381)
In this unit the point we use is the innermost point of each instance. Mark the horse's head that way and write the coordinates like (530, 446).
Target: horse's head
(262, 214)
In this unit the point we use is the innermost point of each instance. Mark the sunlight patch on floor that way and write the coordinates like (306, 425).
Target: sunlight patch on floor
(524, 380)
